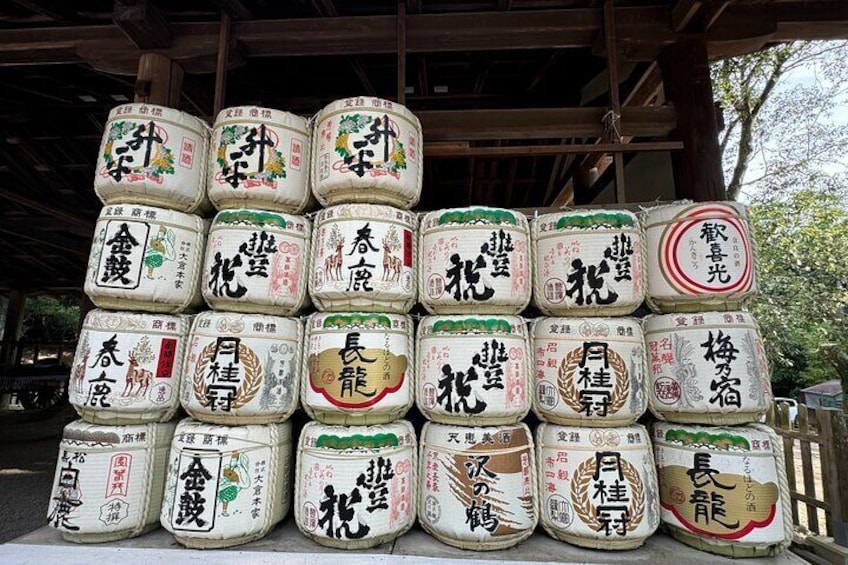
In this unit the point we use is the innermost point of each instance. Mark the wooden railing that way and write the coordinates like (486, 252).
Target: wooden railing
(816, 455)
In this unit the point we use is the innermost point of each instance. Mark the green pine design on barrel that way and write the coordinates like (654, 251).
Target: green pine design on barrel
(375, 441)
(360, 320)
(722, 441)
(472, 325)
(596, 220)
(252, 218)
(478, 215)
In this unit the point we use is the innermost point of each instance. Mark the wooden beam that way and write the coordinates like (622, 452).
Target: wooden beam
(142, 23)
(541, 123)
(53, 9)
(235, 9)
(613, 133)
(12, 326)
(160, 81)
(697, 169)
(48, 242)
(543, 72)
(436, 150)
(696, 15)
(46, 208)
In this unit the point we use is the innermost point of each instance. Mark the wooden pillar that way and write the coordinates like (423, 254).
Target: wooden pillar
(686, 78)
(160, 81)
(12, 327)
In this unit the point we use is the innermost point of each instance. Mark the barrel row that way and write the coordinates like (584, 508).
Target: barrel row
(366, 368)
(680, 258)
(354, 150)
(722, 490)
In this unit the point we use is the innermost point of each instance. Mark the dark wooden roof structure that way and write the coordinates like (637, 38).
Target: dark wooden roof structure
(512, 94)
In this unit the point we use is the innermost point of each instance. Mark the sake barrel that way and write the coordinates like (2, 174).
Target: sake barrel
(128, 367)
(109, 480)
(367, 150)
(242, 368)
(588, 263)
(153, 155)
(355, 486)
(474, 260)
(145, 258)
(364, 259)
(700, 257)
(478, 485)
(473, 370)
(589, 371)
(597, 487)
(257, 261)
(707, 368)
(226, 485)
(259, 158)
(358, 368)
(724, 489)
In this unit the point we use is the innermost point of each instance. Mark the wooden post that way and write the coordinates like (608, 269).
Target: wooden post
(835, 431)
(160, 81)
(686, 78)
(12, 327)
(615, 100)
(221, 67)
(401, 54)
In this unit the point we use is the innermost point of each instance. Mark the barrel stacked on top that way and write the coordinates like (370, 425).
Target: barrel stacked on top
(356, 471)
(722, 482)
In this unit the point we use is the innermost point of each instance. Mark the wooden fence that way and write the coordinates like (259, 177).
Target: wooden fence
(815, 449)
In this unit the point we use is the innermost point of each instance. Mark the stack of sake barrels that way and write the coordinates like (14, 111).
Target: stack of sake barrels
(356, 471)
(722, 482)
(597, 481)
(477, 462)
(229, 474)
(143, 273)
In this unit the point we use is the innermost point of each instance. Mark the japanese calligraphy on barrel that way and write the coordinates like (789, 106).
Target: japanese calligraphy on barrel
(700, 257)
(724, 490)
(257, 261)
(358, 368)
(153, 155)
(707, 368)
(145, 258)
(474, 260)
(109, 480)
(597, 487)
(355, 487)
(128, 367)
(259, 158)
(478, 485)
(589, 371)
(367, 150)
(226, 485)
(473, 370)
(242, 368)
(588, 263)
(363, 258)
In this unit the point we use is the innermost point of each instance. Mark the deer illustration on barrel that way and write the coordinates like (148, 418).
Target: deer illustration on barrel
(136, 376)
(333, 263)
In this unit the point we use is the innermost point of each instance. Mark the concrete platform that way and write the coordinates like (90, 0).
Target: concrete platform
(286, 545)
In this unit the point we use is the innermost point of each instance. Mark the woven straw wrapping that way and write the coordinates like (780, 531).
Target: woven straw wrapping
(242, 368)
(738, 471)
(248, 489)
(351, 134)
(588, 263)
(474, 260)
(370, 470)
(109, 481)
(473, 370)
(358, 368)
(364, 259)
(597, 487)
(257, 261)
(166, 167)
(145, 258)
(243, 135)
(128, 367)
(589, 371)
(707, 368)
(700, 256)
(478, 485)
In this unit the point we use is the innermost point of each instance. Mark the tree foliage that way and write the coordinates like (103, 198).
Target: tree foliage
(50, 319)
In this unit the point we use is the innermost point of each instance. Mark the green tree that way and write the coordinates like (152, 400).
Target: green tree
(802, 267)
(50, 319)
